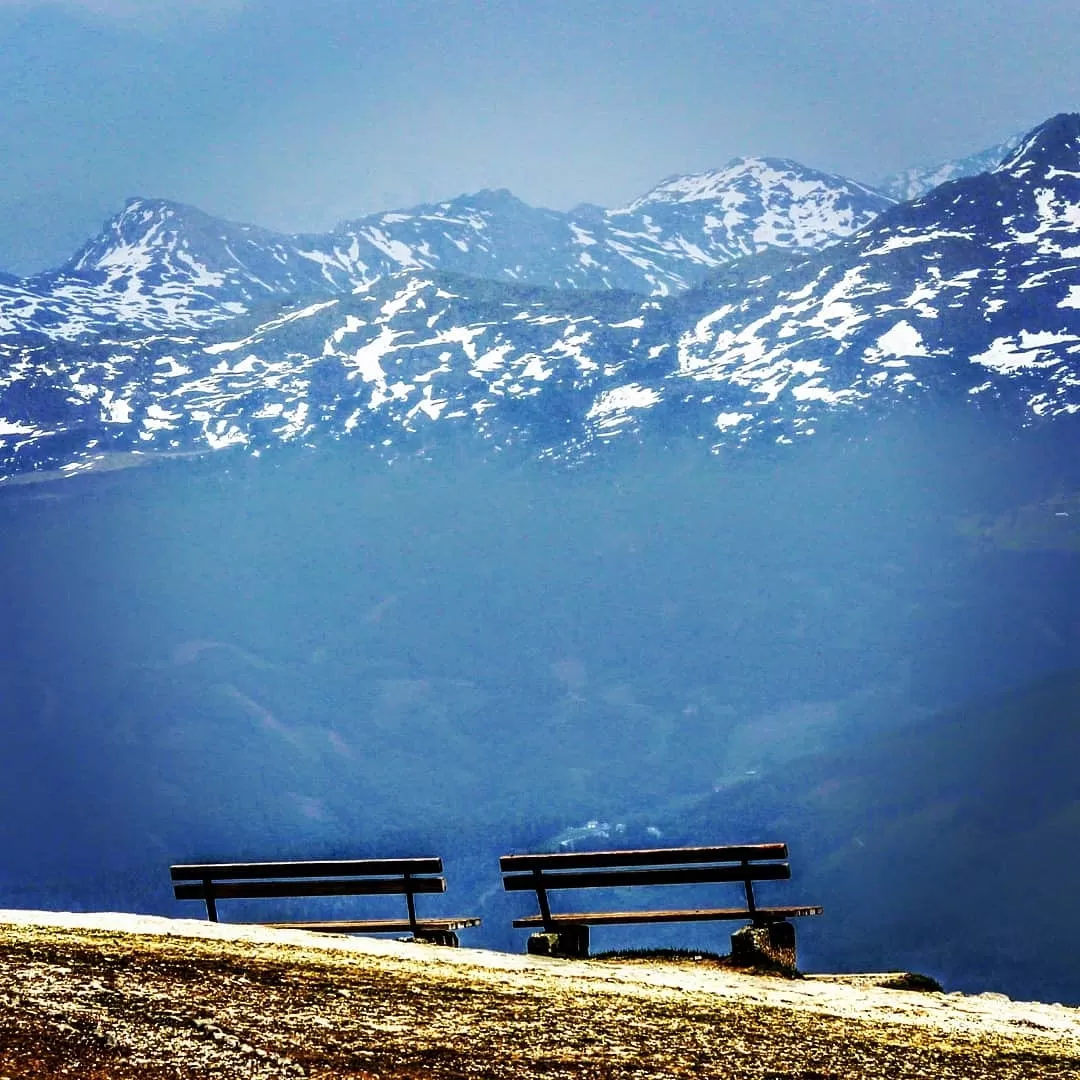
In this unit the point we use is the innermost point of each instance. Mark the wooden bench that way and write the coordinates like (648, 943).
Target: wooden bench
(211, 882)
(743, 864)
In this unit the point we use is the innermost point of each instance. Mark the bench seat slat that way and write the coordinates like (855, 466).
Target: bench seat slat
(680, 875)
(322, 868)
(255, 890)
(598, 918)
(569, 860)
(375, 926)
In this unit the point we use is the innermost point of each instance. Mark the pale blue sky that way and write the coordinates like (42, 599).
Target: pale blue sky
(295, 114)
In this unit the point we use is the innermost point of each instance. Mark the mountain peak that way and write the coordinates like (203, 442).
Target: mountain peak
(1052, 147)
(770, 177)
(142, 223)
(490, 198)
(142, 213)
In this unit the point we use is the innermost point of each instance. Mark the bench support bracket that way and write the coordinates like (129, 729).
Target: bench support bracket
(770, 946)
(569, 941)
(211, 906)
(436, 937)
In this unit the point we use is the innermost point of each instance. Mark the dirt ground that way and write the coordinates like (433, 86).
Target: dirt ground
(113, 997)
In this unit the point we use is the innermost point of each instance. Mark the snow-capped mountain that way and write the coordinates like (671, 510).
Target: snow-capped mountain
(912, 183)
(160, 265)
(756, 203)
(973, 289)
(972, 292)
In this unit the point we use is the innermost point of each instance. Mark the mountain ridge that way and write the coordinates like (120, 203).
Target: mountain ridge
(160, 264)
(917, 180)
(971, 291)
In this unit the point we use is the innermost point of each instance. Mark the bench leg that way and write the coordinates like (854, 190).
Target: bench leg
(769, 946)
(571, 942)
(437, 937)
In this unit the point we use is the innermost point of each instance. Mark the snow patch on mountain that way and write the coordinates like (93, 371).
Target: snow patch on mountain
(756, 203)
(972, 291)
(159, 265)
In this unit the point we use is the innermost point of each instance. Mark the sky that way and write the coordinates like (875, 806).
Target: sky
(298, 114)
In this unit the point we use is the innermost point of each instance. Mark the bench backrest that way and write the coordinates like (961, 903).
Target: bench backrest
(335, 877)
(744, 863)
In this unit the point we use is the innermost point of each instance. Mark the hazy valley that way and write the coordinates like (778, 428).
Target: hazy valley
(423, 563)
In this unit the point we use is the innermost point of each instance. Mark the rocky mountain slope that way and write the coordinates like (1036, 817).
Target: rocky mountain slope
(970, 292)
(972, 289)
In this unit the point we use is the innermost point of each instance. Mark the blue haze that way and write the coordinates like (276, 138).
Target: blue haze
(315, 654)
(297, 115)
